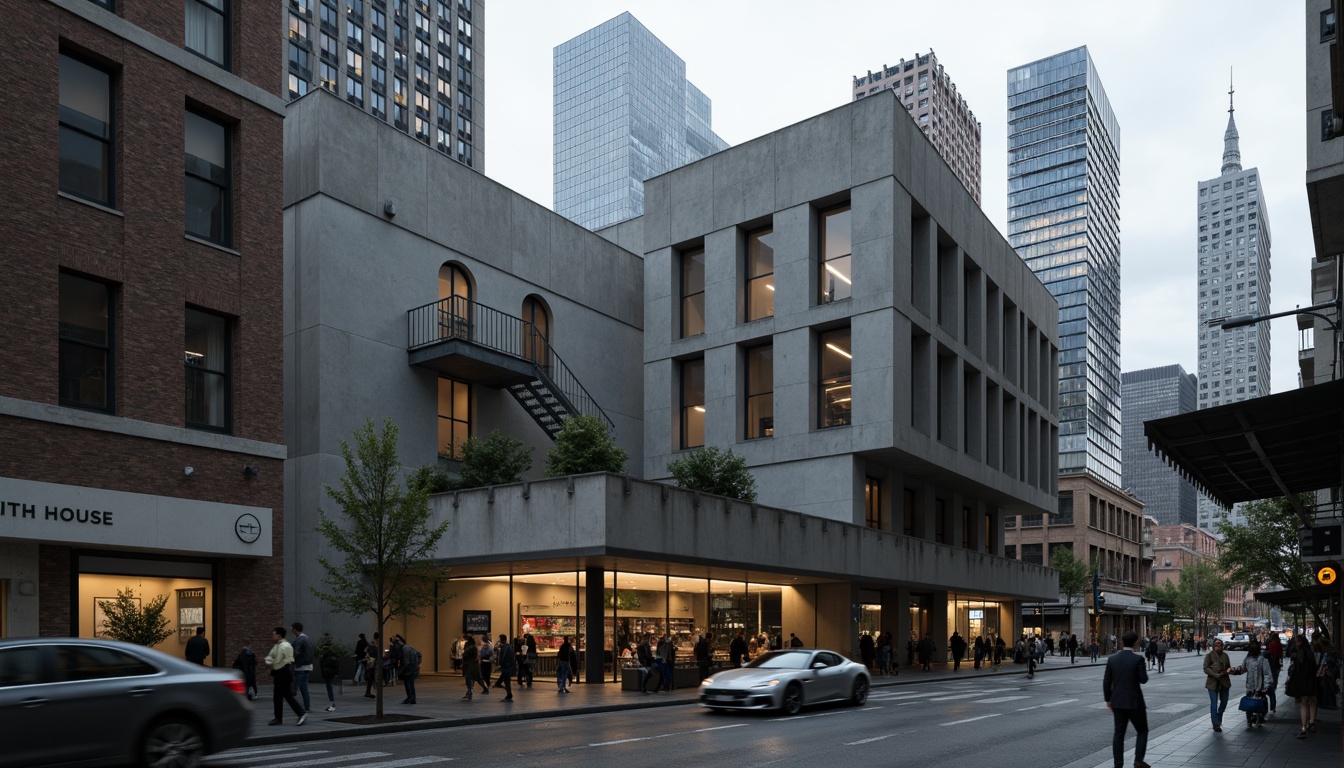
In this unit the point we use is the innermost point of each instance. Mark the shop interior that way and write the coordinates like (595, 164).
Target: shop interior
(188, 588)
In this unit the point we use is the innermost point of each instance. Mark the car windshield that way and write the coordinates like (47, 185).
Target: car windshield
(781, 660)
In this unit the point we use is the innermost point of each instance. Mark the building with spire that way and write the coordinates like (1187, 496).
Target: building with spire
(1233, 263)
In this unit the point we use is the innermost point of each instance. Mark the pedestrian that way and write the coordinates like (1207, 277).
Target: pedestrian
(198, 647)
(1327, 673)
(398, 645)
(648, 663)
(1259, 679)
(565, 663)
(246, 662)
(1122, 687)
(280, 659)
(459, 645)
(1149, 647)
(330, 666)
(867, 650)
(1162, 647)
(303, 664)
(530, 661)
(910, 649)
(361, 658)
(795, 641)
(737, 650)
(1050, 642)
(520, 656)
(471, 667)
(1302, 682)
(978, 651)
(1274, 652)
(667, 653)
(886, 653)
(1000, 647)
(410, 669)
(508, 666)
(704, 652)
(1217, 668)
(958, 645)
(487, 656)
(1095, 649)
(927, 650)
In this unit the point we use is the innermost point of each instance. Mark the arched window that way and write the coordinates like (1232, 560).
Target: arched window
(455, 306)
(536, 331)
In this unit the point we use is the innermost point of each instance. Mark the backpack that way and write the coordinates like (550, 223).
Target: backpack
(410, 658)
(486, 651)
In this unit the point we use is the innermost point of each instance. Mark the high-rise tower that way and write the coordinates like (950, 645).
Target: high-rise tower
(624, 113)
(1233, 280)
(1155, 393)
(1064, 221)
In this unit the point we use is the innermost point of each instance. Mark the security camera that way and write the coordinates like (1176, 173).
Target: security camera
(188, 471)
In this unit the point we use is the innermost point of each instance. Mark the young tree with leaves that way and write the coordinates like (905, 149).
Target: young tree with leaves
(1075, 577)
(584, 445)
(1200, 593)
(714, 470)
(127, 621)
(1265, 550)
(1166, 596)
(383, 540)
(496, 460)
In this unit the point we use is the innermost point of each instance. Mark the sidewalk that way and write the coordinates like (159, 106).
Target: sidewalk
(441, 705)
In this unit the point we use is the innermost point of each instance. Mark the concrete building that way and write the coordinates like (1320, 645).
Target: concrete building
(1104, 527)
(1149, 394)
(417, 65)
(140, 351)
(1233, 265)
(931, 98)
(1178, 545)
(879, 509)
(1320, 344)
(624, 113)
(1064, 221)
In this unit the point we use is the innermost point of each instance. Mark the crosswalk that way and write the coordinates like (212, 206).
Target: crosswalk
(304, 756)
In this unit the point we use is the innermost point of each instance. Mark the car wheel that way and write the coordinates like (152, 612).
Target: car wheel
(860, 694)
(172, 743)
(793, 699)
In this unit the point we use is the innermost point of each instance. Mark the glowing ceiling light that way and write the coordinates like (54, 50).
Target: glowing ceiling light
(836, 272)
(834, 348)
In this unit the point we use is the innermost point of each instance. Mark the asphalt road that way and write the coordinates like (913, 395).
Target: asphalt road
(1000, 721)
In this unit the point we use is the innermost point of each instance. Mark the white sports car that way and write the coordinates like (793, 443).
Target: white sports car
(786, 680)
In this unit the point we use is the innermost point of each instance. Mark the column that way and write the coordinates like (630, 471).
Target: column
(594, 630)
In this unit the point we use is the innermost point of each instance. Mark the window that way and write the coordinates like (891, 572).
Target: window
(208, 179)
(693, 403)
(208, 362)
(760, 274)
(940, 528)
(692, 292)
(297, 86)
(86, 336)
(354, 33)
(1327, 125)
(872, 502)
(1010, 551)
(834, 358)
(1327, 25)
(760, 381)
(86, 131)
(299, 59)
(536, 331)
(454, 417)
(835, 251)
(298, 28)
(1032, 553)
(207, 30)
(22, 665)
(354, 63)
(326, 76)
(908, 511)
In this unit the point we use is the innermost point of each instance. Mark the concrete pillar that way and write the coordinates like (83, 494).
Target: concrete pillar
(593, 628)
(903, 627)
(939, 625)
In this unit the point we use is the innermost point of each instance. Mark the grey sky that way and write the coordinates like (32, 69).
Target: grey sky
(1164, 65)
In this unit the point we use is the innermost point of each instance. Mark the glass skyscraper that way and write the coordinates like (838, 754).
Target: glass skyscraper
(624, 112)
(1155, 393)
(1064, 221)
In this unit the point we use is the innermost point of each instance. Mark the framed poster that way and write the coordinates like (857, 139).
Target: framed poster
(476, 622)
(100, 616)
(190, 612)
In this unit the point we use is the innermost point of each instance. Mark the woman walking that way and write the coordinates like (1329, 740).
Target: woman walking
(1217, 670)
(1302, 683)
(471, 667)
(1259, 680)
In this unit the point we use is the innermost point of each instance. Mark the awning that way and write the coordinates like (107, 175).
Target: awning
(1285, 597)
(1279, 445)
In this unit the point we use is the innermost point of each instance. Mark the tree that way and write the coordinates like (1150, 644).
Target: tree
(714, 470)
(385, 539)
(1265, 549)
(1200, 593)
(583, 445)
(431, 477)
(1166, 596)
(496, 460)
(127, 621)
(1074, 575)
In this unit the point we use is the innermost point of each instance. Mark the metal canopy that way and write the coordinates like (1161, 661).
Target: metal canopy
(1278, 445)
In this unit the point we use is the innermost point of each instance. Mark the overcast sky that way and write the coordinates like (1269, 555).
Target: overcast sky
(766, 64)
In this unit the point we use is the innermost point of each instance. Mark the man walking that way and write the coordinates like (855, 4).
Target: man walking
(667, 652)
(564, 666)
(704, 652)
(487, 654)
(1126, 672)
(303, 664)
(410, 669)
(737, 650)
(508, 666)
(958, 645)
(279, 659)
(198, 647)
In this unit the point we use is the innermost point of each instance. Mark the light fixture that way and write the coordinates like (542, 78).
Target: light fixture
(836, 272)
(700, 408)
(770, 286)
(251, 470)
(842, 400)
(834, 348)
(390, 208)
(188, 470)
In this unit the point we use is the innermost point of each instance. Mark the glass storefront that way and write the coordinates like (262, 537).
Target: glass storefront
(974, 617)
(187, 588)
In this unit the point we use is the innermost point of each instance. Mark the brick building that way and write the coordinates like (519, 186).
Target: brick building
(140, 317)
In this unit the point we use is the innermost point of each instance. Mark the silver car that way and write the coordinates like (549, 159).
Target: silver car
(73, 701)
(786, 680)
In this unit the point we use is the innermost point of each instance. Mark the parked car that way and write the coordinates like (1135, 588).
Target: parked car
(1226, 637)
(101, 702)
(1238, 642)
(787, 680)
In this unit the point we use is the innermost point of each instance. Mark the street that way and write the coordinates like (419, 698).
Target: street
(1053, 720)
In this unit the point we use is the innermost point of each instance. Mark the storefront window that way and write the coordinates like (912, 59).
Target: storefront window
(187, 590)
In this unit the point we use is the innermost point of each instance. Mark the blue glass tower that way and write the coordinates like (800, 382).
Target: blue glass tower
(1064, 221)
(624, 112)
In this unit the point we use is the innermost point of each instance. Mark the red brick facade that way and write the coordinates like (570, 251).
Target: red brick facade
(156, 271)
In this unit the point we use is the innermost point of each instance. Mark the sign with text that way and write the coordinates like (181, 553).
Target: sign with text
(476, 622)
(190, 612)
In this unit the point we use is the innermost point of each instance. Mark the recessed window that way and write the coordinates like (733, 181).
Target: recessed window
(208, 30)
(209, 180)
(208, 365)
(454, 417)
(835, 255)
(1327, 125)
(86, 131)
(693, 292)
(1327, 25)
(85, 343)
(693, 403)
(760, 274)
(760, 391)
(835, 399)
(872, 502)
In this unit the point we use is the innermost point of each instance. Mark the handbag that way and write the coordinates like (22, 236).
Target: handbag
(1254, 704)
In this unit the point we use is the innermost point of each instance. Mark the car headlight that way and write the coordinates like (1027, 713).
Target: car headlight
(706, 682)
(766, 684)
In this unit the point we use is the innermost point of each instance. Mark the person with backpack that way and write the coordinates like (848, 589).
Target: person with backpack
(487, 654)
(1162, 647)
(246, 662)
(329, 664)
(1259, 679)
(410, 669)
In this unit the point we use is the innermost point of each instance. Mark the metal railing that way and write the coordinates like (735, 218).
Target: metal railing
(459, 318)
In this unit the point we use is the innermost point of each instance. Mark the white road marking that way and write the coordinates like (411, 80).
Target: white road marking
(1175, 708)
(330, 760)
(971, 719)
(958, 696)
(868, 741)
(245, 754)
(720, 727)
(407, 763)
(254, 756)
(801, 717)
(1000, 699)
(1048, 704)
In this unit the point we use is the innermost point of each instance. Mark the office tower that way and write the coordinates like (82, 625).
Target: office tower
(431, 84)
(931, 99)
(1154, 393)
(624, 113)
(1064, 221)
(1233, 281)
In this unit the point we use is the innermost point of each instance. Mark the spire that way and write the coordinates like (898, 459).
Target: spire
(1231, 140)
